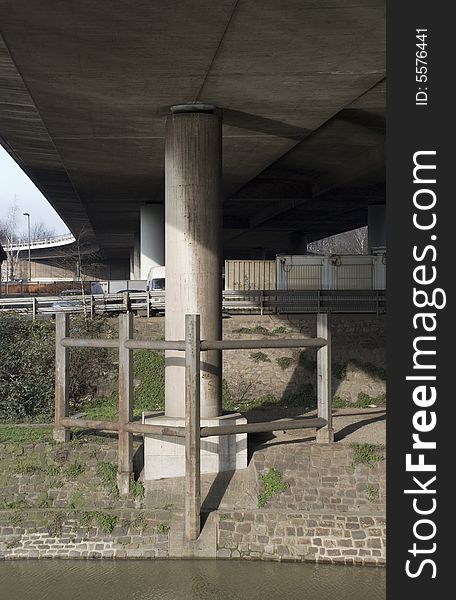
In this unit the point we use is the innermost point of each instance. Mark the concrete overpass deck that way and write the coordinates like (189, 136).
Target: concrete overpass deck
(85, 88)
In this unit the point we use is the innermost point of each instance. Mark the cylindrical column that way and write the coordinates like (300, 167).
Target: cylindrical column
(193, 221)
(152, 238)
(376, 227)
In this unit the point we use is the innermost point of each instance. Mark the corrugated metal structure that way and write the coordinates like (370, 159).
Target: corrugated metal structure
(250, 274)
(308, 272)
(335, 272)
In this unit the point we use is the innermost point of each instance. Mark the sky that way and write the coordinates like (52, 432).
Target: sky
(16, 188)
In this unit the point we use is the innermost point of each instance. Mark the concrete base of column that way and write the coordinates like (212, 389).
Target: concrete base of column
(123, 483)
(325, 435)
(60, 434)
(164, 456)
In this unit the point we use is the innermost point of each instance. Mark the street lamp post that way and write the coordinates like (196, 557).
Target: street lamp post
(29, 243)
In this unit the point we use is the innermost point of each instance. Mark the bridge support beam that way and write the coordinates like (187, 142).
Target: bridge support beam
(152, 237)
(193, 237)
(193, 171)
(376, 226)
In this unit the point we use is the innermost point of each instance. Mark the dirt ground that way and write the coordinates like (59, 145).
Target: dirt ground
(351, 425)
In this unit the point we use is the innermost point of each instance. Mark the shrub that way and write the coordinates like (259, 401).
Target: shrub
(273, 485)
(26, 368)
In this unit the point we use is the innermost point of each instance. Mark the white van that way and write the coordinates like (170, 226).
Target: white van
(156, 286)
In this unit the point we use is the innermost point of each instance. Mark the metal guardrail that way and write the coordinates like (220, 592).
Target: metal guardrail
(54, 241)
(257, 301)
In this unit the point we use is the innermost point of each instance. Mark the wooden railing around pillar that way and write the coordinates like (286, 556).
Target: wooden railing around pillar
(125, 426)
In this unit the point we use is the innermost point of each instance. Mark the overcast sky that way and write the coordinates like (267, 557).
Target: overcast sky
(16, 187)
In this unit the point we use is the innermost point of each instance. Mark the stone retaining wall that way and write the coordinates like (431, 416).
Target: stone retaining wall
(58, 534)
(302, 536)
(325, 478)
(358, 356)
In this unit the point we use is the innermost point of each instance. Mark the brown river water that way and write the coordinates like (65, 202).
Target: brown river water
(187, 580)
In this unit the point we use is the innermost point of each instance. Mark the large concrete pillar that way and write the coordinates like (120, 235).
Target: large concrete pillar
(152, 238)
(193, 222)
(298, 242)
(135, 258)
(193, 210)
(376, 226)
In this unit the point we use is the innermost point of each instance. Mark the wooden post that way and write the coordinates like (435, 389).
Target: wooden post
(126, 301)
(125, 445)
(192, 427)
(325, 435)
(148, 304)
(92, 307)
(34, 308)
(60, 433)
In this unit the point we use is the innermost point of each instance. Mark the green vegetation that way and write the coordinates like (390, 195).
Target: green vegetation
(363, 401)
(77, 499)
(279, 330)
(16, 518)
(367, 454)
(340, 371)
(105, 521)
(27, 368)
(259, 357)
(273, 485)
(163, 528)
(285, 362)
(73, 470)
(372, 493)
(140, 523)
(107, 472)
(55, 527)
(137, 489)
(149, 368)
(25, 435)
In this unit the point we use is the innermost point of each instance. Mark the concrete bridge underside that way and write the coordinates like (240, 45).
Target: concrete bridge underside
(85, 88)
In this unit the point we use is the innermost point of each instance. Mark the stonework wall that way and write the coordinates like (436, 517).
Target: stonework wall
(47, 475)
(332, 510)
(324, 478)
(358, 356)
(61, 534)
(302, 536)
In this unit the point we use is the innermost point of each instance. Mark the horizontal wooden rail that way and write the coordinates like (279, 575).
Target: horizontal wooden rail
(131, 427)
(253, 344)
(155, 345)
(280, 425)
(88, 343)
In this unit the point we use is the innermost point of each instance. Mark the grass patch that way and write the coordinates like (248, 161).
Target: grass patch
(140, 523)
(273, 485)
(257, 330)
(163, 528)
(149, 368)
(25, 435)
(259, 357)
(285, 362)
(107, 472)
(73, 470)
(137, 489)
(367, 454)
(104, 521)
(363, 401)
(372, 493)
(279, 330)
